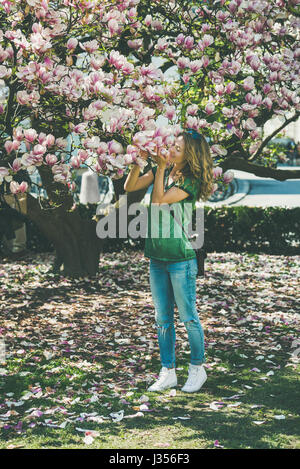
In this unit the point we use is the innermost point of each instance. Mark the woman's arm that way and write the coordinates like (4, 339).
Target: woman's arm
(134, 182)
(159, 196)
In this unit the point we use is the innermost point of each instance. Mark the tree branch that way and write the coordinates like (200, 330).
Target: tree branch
(266, 141)
(234, 162)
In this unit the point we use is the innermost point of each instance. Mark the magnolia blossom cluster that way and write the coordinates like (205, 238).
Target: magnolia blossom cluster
(108, 158)
(86, 66)
(221, 178)
(32, 150)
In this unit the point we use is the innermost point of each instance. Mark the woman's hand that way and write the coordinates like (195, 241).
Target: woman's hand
(144, 154)
(162, 158)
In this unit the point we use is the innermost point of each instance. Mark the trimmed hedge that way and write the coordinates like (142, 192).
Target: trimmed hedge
(273, 230)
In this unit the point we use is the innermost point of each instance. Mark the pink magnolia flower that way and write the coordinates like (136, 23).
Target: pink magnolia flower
(207, 40)
(250, 124)
(205, 27)
(71, 186)
(135, 43)
(39, 44)
(113, 26)
(42, 138)
(72, 43)
(61, 143)
(3, 172)
(50, 159)
(102, 148)
(23, 187)
(30, 135)
(83, 155)
(273, 77)
(148, 20)
(156, 24)
(16, 188)
(239, 133)
(127, 68)
(255, 63)
(222, 15)
(217, 172)
(170, 112)
(218, 150)
(232, 6)
(18, 133)
(90, 46)
(183, 62)
(115, 147)
(228, 176)
(195, 66)
(97, 61)
(75, 162)
(132, 13)
(5, 72)
(230, 87)
(203, 123)
(50, 140)
(192, 122)
(23, 97)
(248, 83)
(180, 39)
(189, 42)
(16, 165)
(267, 102)
(205, 61)
(116, 59)
(79, 128)
(162, 44)
(220, 89)
(9, 146)
(186, 78)
(254, 134)
(192, 109)
(209, 108)
(39, 150)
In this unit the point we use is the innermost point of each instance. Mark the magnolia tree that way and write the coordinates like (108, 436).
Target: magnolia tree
(78, 86)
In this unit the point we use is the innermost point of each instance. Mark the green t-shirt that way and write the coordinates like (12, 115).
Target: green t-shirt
(166, 240)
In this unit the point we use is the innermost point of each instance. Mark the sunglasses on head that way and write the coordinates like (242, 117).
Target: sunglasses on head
(194, 134)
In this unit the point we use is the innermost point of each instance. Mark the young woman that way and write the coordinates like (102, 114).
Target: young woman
(183, 175)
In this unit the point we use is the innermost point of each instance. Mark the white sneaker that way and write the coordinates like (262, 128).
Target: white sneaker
(196, 379)
(167, 379)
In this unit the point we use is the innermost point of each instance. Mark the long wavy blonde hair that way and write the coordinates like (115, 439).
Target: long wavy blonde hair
(199, 164)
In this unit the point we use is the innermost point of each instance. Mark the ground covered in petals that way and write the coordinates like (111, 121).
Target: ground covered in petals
(78, 355)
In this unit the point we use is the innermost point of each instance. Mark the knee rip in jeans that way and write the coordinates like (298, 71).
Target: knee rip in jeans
(190, 322)
(163, 327)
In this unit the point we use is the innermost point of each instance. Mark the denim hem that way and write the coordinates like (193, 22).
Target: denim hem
(198, 362)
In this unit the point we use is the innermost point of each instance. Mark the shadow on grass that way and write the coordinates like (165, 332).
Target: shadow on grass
(233, 427)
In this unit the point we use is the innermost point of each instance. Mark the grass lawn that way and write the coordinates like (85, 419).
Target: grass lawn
(81, 354)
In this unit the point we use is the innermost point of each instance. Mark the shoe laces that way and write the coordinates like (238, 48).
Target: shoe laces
(193, 373)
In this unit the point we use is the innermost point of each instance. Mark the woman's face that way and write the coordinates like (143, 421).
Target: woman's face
(176, 151)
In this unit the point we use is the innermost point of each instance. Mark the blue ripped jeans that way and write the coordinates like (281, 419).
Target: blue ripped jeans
(175, 282)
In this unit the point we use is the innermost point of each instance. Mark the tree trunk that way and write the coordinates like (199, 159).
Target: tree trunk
(74, 239)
